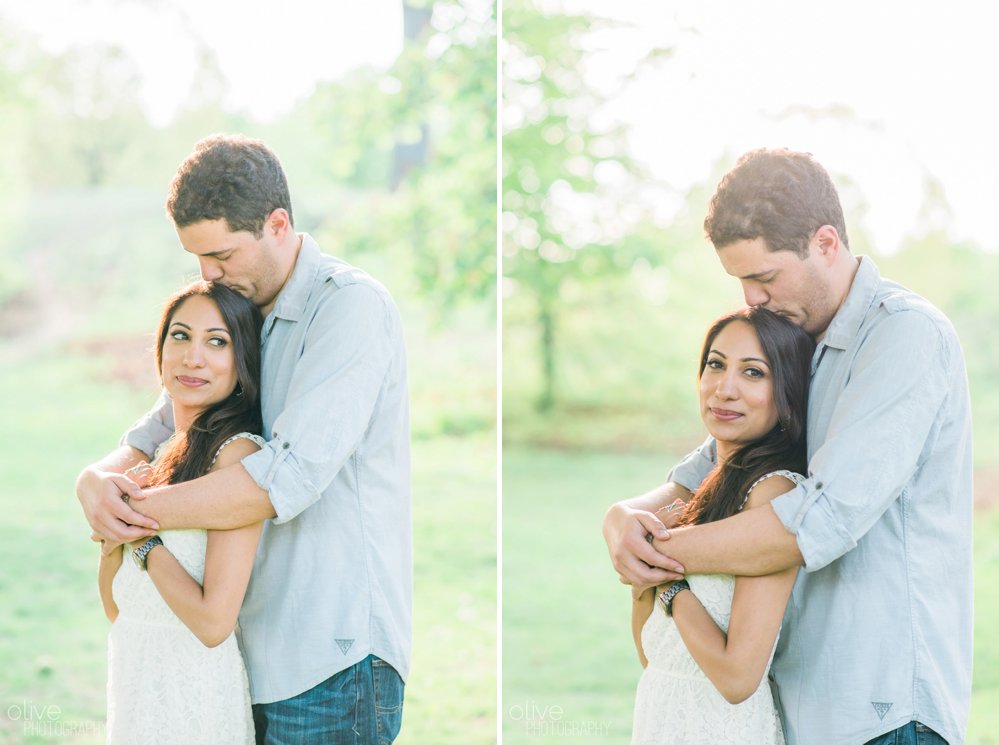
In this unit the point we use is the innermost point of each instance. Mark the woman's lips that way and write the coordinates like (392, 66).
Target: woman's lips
(724, 414)
(191, 382)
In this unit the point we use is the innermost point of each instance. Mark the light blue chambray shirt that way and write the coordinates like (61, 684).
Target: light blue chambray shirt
(878, 630)
(332, 579)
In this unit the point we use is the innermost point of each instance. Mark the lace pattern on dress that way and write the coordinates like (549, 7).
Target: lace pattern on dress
(675, 702)
(164, 685)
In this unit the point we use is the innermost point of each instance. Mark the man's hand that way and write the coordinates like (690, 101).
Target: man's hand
(101, 496)
(626, 531)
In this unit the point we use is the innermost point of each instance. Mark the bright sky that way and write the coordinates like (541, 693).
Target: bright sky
(271, 53)
(918, 77)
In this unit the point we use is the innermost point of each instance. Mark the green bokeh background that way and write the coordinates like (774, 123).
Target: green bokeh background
(605, 303)
(392, 170)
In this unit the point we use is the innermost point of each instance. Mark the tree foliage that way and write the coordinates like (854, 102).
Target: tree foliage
(569, 185)
(417, 144)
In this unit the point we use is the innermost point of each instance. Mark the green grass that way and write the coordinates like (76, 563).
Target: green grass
(566, 618)
(62, 410)
(566, 639)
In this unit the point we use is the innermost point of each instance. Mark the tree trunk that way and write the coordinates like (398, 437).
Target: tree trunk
(546, 319)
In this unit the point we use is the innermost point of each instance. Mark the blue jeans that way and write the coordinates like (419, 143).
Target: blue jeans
(357, 706)
(913, 733)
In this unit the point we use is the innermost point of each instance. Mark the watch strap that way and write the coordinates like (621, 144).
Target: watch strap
(140, 553)
(667, 595)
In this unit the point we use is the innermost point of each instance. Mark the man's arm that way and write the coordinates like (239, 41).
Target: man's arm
(627, 526)
(100, 487)
(222, 500)
(750, 544)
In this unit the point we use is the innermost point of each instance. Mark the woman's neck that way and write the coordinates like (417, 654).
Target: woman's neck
(183, 417)
(725, 450)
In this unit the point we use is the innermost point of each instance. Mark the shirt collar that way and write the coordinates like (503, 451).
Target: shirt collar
(294, 295)
(846, 323)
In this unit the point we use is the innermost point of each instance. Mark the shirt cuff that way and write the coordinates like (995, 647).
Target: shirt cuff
(808, 514)
(277, 471)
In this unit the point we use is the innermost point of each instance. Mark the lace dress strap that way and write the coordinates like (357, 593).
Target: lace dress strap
(241, 436)
(794, 478)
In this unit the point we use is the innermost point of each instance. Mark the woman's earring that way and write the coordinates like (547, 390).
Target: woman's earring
(239, 392)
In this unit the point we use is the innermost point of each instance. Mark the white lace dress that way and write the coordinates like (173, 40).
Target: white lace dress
(164, 685)
(676, 703)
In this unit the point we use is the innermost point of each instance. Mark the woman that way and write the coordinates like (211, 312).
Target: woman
(175, 672)
(706, 642)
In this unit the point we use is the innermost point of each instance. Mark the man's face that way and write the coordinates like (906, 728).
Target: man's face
(798, 289)
(239, 260)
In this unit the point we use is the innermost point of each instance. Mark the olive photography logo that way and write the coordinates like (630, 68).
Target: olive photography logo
(550, 720)
(45, 720)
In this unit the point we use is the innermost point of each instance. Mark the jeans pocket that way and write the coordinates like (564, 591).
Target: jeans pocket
(389, 690)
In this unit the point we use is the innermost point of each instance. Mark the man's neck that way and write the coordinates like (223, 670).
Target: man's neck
(849, 275)
(295, 251)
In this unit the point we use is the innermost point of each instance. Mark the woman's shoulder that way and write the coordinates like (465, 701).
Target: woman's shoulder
(771, 485)
(792, 476)
(236, 447)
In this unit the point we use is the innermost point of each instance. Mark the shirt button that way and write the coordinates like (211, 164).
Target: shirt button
(286, 446)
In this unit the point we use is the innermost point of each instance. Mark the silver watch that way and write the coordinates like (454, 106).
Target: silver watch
(667, 595)
(140, 553)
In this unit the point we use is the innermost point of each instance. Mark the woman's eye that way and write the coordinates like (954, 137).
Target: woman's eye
(217, 341)
(179, 336)
(754, 372)
(714, 364)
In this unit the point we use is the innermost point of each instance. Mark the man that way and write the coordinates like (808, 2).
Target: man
(877, 637)
(326, 622)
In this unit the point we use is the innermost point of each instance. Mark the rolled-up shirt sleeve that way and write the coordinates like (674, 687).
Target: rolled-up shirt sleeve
(691, 471)
(350, 346)
(153, 429)
(881, 431)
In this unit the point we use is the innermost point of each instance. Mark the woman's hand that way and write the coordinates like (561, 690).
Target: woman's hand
(670, 514)
(140, 474)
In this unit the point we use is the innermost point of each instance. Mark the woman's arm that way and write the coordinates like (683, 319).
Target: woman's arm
(106, 571)
(735, 663)
(641, 609)
(210, 611)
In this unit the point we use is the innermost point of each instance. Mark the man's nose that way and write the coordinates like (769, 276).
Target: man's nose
(210, 270)
(754, 294)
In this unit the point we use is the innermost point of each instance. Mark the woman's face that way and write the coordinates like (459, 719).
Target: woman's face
(198, 363)
(736, 388)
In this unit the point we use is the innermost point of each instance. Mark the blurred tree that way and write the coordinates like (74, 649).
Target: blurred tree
(89, 115)
(569, 186)
(436, 213)
(17, 107)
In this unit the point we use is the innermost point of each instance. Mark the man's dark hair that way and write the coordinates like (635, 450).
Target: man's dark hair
(232, 178)
(780, 196)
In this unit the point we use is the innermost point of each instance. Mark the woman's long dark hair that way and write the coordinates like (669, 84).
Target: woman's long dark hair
(788, 350)
(189, 454)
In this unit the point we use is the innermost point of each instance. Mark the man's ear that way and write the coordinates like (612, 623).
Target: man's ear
(278, 223)
(826, 240)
